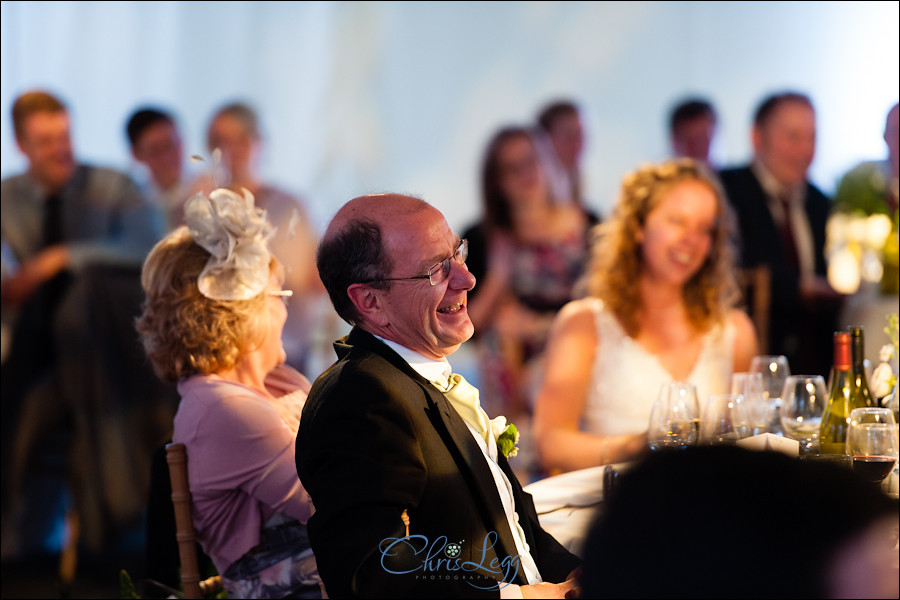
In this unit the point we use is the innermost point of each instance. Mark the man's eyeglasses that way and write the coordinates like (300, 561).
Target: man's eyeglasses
(438, 273)
(285, 295)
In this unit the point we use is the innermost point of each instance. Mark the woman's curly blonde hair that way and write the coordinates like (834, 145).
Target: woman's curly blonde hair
(183, 332)
(616, 259)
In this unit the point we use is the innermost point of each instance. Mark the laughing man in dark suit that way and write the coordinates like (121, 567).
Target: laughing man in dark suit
(411, 500)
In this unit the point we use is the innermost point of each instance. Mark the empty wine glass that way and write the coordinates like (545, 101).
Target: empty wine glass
(803, 401)
(724, 420)
(872, 442)
(750, 386)
(675, 418)
(775, 371)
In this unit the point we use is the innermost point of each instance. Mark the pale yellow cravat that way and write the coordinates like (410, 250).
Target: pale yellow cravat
(463, 396)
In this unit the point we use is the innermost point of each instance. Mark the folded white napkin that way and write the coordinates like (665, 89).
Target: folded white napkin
(770, 441)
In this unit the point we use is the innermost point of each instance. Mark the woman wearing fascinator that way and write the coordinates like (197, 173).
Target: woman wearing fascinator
(660, 306)
(212, 323)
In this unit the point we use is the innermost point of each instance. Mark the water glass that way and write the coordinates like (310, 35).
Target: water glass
(724, 420)
(750, 386)
(803, 401)
(675, 418)
(775, 371)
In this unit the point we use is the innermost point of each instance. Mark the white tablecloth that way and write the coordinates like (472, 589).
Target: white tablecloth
(567, 504)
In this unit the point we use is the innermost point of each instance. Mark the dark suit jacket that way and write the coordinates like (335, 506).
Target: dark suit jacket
(376, 439)
(761, 244)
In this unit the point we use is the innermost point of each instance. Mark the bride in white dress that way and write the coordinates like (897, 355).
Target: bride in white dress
(660, 306)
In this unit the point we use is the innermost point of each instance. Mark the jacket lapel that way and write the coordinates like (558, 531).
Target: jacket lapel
(485, 484)
(485, 487)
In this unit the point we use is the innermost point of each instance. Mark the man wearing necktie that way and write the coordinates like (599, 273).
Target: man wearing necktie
(412, 496)
(77, 235)
(782, 218)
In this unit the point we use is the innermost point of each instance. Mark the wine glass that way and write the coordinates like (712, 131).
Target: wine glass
(750, 386)
(775, 371)
(872, 443)
(724, 420)
(803, 401)
(675, 418)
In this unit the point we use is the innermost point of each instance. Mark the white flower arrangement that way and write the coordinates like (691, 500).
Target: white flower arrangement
(884, 377)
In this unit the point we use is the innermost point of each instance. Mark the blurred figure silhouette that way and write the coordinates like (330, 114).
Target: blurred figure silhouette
(782, 218)
(312, 324)
(660, 307)
(561, 121)
(692, 127)
(526, 253)
(722, 521)
(872, 187)
(82, 411)
(156, 144)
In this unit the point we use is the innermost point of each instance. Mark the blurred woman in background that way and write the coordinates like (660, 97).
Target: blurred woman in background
(312, 325)
(527, 252)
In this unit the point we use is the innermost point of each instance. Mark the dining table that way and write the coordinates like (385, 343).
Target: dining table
(568, 503)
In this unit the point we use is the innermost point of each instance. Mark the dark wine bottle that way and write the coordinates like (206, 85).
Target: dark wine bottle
(858, 367)
(835, 419)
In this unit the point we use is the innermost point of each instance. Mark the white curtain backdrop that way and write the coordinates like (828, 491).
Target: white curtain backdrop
(358, 97)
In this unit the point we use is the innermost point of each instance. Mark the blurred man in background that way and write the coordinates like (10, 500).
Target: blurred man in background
(81, 410)
(782, 218)
(692, 127)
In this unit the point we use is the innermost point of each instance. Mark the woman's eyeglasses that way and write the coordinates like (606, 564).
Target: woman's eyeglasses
(285, 295)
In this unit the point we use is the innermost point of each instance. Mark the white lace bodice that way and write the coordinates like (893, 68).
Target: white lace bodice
(626, 378)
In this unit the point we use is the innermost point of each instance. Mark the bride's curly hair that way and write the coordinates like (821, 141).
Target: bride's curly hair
(616, 259)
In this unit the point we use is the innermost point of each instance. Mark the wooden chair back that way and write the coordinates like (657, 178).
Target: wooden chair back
(756, 285)
(192, 585)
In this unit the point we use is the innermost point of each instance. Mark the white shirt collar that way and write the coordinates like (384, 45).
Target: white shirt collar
(428, 368)
(773, 187)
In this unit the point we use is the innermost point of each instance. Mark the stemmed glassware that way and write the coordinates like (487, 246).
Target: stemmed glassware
(775, 371)
(750, 386)
(803, 401)
(724, 420)
(675, 418)
(872, 443)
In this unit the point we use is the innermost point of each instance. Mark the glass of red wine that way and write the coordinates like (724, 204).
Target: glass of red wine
(872, 443)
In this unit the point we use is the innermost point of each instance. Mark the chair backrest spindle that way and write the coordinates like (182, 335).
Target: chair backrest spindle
(192, 587)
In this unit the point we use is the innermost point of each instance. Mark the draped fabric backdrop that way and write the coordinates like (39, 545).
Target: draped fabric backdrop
(359, 97)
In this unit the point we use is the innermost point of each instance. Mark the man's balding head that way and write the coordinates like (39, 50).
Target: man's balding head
(353, 247)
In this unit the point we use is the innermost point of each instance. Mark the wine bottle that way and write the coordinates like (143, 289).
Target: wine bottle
(833, 430)
(858, 367)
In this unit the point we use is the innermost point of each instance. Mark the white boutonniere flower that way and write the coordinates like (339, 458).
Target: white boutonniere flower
(506, 436)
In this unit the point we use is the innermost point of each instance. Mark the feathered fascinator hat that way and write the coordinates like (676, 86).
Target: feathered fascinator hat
(236, 234)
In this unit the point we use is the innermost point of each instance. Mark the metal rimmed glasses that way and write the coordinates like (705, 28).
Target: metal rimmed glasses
(439, 272)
